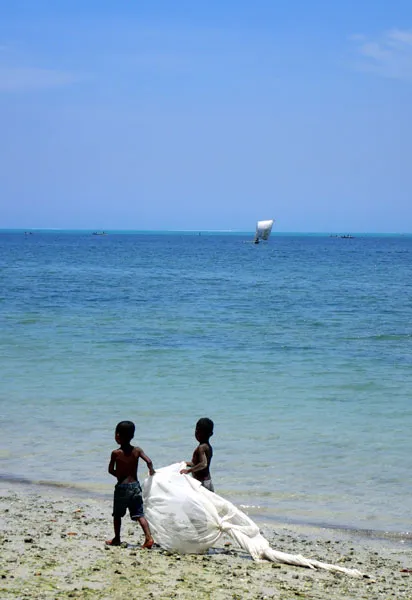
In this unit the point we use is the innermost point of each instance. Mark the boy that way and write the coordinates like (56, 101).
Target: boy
(127, 492)
(202, 456)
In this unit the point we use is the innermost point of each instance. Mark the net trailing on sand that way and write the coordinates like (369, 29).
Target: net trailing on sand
(185, 517)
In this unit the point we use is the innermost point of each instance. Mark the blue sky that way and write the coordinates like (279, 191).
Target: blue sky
(206, 115)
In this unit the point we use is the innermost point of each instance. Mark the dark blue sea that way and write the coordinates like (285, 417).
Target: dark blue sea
(299, 349)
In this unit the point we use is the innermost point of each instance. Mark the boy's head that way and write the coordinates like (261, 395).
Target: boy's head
(124, 431)
(204, 429)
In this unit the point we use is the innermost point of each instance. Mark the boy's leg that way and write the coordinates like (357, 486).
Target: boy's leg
(148, 542)
(117, 523)
(137, 514)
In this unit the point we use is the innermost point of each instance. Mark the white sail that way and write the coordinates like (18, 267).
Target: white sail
(263, 229)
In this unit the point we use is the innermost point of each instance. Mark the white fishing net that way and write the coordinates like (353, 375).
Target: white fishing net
(185, 517)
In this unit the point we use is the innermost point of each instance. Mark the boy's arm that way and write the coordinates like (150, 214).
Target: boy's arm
(202, 464)
(147, 460)
(112, 464)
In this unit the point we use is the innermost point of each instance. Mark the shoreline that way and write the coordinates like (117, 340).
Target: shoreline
(396, 539)
(52, 546)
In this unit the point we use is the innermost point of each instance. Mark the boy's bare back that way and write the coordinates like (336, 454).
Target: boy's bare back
(124, 463)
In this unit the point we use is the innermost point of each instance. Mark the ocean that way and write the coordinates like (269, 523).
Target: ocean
(299, 349)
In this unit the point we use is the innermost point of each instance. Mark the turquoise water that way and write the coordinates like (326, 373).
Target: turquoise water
(299, 350)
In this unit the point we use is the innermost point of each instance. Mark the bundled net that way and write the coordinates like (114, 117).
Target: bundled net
(185, 517)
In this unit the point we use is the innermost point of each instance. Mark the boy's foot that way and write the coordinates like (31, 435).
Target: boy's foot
(113, 542)
(148, 544)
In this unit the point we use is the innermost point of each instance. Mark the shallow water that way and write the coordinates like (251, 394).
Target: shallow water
(299, 350)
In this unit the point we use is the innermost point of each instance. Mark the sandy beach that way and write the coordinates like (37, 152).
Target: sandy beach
(52, 546)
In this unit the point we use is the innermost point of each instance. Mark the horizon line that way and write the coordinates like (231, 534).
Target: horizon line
(230, 231)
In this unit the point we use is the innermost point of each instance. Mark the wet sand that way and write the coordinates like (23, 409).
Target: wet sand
(52, 546)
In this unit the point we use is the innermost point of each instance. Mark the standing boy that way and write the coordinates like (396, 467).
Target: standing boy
(202, 456)
(127, 492)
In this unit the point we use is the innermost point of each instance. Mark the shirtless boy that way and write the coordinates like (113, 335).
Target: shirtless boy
(202, 456)
(127, 492)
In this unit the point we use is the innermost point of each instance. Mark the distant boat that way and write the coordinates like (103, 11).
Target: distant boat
(263, 230)
(99, 233)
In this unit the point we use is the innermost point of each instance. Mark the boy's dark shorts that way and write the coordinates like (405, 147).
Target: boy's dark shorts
(128, 496)
(207, 483)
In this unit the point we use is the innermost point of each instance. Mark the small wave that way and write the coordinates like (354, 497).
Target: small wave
(396, 537)
(72, 488)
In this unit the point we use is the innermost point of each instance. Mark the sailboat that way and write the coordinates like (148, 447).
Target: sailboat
(263, 230)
